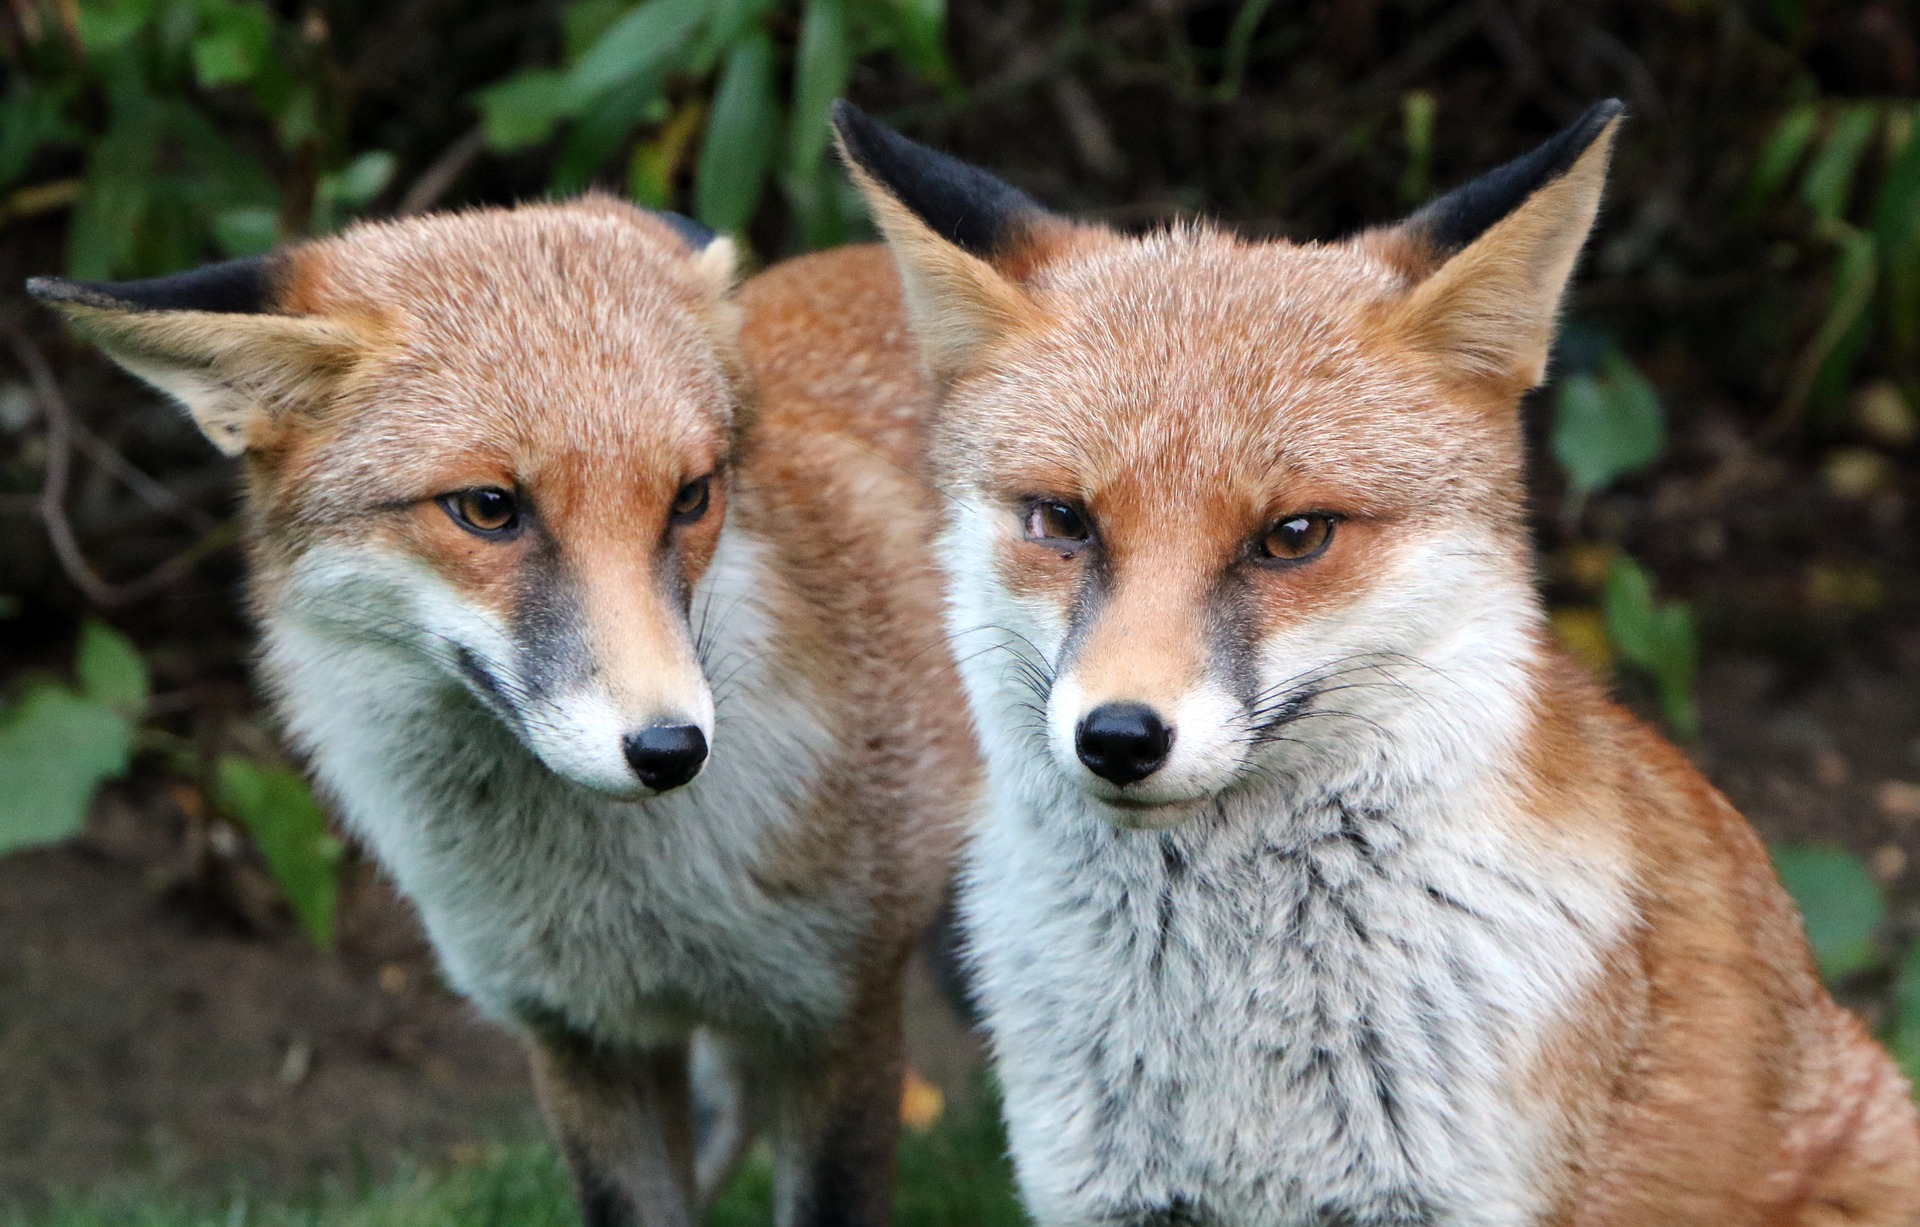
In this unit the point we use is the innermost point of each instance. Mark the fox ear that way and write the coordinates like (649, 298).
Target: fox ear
(211, 340)
(1492, 258)
(959, 236)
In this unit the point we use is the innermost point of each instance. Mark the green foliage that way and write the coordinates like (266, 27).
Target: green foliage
(59, 744)
(1905, 1039)
(955, 1175)
(1872, 237)
(188, 114)
(1846, 920)
(633, 78)
(1606, 424)
(1829, 180)
(274, 804)
(1656, 637)
(1839, 902)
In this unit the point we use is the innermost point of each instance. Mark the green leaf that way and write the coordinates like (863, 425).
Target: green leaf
(728, 21)
(915, 30)
(110, 669)
(1606, 426)
(1627, 602)
(1842, 907)
(1829, 180)
(522, 110)
(1654, 637)
(246, 231)
(1906, 1000)
(56, 748)
(739, 144)
(234, 45)
(584, 21)
(1675, 665)
(642, 43)
(276, 806)
(602, 129)
(107, 25)
(823, 63)
(360, 180)
(1239, 47)
(1896, 211)
(1843, 334)
(30, 122)
(1782, 153)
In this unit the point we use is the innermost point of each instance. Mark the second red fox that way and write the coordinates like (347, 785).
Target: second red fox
(1317, 885)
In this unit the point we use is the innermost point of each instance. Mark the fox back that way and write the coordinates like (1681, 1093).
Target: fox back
(1316, 884)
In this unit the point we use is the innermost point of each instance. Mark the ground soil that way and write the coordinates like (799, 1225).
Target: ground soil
(146, 1030)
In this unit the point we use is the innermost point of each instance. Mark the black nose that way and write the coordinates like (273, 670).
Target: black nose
(1123, 742)
(666, 755)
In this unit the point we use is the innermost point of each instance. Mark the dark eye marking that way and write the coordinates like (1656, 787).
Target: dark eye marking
(485, 511)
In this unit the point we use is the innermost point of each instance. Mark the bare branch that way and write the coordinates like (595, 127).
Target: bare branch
(61, 429)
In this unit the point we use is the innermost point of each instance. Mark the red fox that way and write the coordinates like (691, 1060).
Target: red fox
(1314, 883)
(600, 602)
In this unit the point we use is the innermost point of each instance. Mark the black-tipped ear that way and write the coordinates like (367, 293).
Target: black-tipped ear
(963, 204)
(236, 287)
(696, 236)
(1452, 221)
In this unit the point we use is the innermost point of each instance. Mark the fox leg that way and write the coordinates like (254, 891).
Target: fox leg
(624, 1119)
(725, 1115)
(836, 1126)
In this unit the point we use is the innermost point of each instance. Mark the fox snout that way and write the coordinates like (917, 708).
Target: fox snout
(666, 756)
(1123, 743)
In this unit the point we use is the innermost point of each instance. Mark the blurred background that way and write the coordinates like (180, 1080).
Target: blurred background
(208, 1002)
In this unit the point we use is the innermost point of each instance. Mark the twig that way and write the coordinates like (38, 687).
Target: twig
(149, 491)
(1385, 83)
(38, 199)
(53, 497)
(439, 177)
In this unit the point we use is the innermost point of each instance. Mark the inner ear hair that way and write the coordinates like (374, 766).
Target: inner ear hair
(233, 369)
(1487, 310)
(951, 228)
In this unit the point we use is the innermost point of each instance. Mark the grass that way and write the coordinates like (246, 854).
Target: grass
(953, 1175)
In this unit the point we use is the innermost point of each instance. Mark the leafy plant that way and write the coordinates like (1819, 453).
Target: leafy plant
(61, 742)
(642, 78)
(1606, 424)
(1874, 236)
(1846, 920)
(274, 804)
(1656, 637)
(1839, 902)
(183, 111)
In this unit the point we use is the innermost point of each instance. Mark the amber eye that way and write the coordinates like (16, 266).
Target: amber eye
(691, 500)
(487, 511)
(1297, 538)
(1057, 523)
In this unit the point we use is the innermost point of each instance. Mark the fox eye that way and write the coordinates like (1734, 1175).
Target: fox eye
(691, 500)
(485, 511)
(1296, 538)
(1058, 523)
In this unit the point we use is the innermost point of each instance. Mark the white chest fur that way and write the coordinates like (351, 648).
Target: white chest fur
(627, 918)
(1299, 1009)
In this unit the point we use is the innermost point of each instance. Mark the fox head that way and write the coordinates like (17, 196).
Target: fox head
(491, 447)
(1230, 508)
